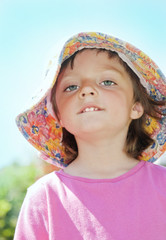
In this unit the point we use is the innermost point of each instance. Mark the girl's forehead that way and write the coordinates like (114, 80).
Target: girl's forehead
(85, 54)
(92, 57)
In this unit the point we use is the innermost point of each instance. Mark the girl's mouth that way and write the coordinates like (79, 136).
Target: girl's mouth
(90, 109)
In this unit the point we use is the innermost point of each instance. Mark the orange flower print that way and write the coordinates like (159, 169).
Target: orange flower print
(37, 128)
(152, 126)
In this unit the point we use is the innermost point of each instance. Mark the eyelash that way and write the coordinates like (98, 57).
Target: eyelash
(68, 89)
(112, 83)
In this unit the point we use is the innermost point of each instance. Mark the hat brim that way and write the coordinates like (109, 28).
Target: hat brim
(39, 124)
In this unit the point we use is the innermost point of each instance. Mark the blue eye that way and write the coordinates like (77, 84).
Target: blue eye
(71, 88)
(108, 83)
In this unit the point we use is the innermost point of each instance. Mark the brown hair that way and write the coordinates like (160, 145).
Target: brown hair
(137, 138)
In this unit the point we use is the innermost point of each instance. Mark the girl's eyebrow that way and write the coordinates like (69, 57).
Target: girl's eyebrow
(63, 79)
(106, 68)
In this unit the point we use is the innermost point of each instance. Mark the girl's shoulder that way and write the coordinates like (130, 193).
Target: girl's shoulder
(44, 184)
(156, 172)
(156, 168)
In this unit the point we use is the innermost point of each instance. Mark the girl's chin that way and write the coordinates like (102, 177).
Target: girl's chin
(91, 133)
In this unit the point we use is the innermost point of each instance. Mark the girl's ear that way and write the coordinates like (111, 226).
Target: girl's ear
(137, 110)
(61, 123)
(58, 119)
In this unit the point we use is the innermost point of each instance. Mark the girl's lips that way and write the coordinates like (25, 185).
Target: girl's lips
(90, 108)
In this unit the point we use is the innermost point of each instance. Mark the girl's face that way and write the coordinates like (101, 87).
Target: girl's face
(96, 96)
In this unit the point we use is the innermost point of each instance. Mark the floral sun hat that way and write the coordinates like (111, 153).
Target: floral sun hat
(39, 124)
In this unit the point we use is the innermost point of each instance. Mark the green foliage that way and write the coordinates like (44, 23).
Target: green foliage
(14, 181)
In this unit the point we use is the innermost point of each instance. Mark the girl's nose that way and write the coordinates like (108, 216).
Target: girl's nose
(87, 91)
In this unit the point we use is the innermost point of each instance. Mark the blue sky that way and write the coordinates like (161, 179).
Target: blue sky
(29, 29)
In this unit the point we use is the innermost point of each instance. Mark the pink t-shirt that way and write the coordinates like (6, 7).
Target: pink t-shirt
(64, 207)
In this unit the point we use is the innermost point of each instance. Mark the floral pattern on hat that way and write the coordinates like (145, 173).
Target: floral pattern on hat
(39, 125)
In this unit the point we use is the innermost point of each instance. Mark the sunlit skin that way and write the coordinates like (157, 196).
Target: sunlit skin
(101, 84)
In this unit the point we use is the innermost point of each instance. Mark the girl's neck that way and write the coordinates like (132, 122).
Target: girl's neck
(101, 159)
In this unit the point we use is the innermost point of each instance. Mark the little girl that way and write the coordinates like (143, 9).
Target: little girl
(102, 121)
